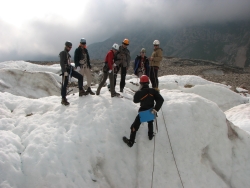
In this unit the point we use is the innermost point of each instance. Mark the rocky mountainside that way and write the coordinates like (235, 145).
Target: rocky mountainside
(228, 43)
(209, 70)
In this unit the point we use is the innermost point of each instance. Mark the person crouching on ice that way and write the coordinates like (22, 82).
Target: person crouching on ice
(149, 99)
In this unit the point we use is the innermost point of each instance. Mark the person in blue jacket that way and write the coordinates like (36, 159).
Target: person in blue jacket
(141, 65)
(82, 63)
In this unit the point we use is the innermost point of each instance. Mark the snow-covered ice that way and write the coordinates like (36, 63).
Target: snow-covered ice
(240, 116)
(203, 138)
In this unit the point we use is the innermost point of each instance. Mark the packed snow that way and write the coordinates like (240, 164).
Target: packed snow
(203, 137)
(240, 116)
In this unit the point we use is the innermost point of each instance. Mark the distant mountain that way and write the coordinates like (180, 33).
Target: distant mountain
(227, 43)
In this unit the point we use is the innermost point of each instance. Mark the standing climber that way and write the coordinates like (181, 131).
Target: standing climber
(141, 65)
(82, 63)
(68, 71)
(108, 71)
(149, 99)
(122, 60)
(155, 60)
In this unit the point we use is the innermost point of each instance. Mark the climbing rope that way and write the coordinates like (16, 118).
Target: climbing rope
(167, 134)
(172, 148)
(169, 143)
(152, 181)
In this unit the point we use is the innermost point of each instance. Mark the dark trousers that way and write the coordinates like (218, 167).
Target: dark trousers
(116, 70)
(111, 80)
(123, 77)
(154, 76)
(65, 80)
(136, 125)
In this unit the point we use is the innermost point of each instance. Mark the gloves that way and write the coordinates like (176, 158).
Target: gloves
(89, 66)
(66, 73)
(153, 111)
(110, 71)
(78, 69)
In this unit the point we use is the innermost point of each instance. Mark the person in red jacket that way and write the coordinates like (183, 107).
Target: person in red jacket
(108, 71)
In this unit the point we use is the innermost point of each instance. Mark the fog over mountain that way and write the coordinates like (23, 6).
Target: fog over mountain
(228, 43)
(38, 31)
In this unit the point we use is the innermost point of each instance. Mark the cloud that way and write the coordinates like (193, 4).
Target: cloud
(171, 13)
(41, 31)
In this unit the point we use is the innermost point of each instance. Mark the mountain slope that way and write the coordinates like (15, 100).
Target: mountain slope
(228, 43)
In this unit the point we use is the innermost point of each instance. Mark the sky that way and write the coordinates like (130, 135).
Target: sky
(203, 134)
(38, 30)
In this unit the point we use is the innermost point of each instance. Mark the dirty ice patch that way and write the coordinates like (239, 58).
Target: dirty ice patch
(28, 84)
(30, 67)
(240, 116)
(176, 81)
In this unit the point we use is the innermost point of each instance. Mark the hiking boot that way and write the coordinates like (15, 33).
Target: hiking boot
(89, 91)
(64, 102)
(82, 92)
(115, 95)
(121, 90)
(150, 137)
(108, 86)
(128, 142)
(97, 92)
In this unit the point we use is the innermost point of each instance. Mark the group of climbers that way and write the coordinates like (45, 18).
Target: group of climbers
(117, 58)
(149, 66)
(82, 67)
(67, 70)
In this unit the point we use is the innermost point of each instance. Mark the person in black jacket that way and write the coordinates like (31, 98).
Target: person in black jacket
(67, 71)
(122, 60)
(146, 97)
(82, 63)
